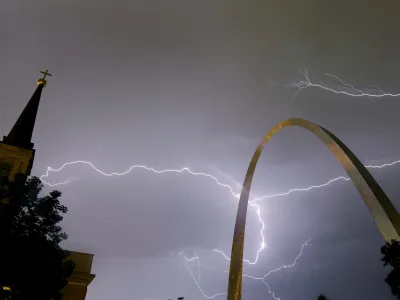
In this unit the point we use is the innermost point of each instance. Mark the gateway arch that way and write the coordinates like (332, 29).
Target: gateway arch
(381, 208)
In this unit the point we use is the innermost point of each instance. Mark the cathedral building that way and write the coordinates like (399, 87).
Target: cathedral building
(17, 154)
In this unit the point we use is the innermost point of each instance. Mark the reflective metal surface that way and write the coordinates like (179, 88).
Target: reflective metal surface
(379, 205)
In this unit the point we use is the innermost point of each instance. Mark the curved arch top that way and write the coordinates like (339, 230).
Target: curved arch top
(381, 208)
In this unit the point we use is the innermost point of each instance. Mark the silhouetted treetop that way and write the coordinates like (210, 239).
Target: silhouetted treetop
(33, 265)
(391, 257)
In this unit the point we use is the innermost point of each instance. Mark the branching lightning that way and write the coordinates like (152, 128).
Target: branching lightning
(197, 281)
(263, 278)
(183, 170)
(343, 87)
(235, 195)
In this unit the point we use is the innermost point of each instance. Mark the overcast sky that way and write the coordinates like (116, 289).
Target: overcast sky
(184, 83)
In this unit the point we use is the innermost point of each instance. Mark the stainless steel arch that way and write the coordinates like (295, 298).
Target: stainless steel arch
(379, 205)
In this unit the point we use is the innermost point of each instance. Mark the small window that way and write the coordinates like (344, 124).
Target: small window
(5, 169)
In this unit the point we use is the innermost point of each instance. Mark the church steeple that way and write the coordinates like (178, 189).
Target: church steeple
(21, 134)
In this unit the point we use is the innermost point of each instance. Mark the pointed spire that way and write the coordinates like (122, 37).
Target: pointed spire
(21, 133)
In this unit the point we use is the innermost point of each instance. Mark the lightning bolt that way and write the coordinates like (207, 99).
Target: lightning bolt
(298, 86)
(344, 88)
(263, 278)
(197, 281)
(235, 195)
(183, 170)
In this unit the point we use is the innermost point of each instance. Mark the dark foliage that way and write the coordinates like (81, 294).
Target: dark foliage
(391, 256)
(322, 297)
(32, 263)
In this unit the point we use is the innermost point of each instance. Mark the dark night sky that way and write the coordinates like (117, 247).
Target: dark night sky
(175, 83)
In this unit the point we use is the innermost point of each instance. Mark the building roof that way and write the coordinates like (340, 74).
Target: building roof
(21, 133)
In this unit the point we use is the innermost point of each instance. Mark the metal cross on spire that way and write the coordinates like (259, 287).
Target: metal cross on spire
(43, 79)
(45, 73)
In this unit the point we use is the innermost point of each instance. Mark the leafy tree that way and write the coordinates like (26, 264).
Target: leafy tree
(32, 263)
(391, 256)
(322, 297)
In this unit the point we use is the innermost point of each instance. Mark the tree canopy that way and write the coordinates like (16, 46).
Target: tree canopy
(33, 264)
(322, 297)
(391, 256)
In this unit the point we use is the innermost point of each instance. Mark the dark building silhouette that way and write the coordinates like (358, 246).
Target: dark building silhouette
(16, 156)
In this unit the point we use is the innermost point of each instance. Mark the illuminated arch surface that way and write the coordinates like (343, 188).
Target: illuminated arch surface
(379, 205)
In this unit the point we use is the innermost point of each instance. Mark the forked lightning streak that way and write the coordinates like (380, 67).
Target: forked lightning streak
(252, 203)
